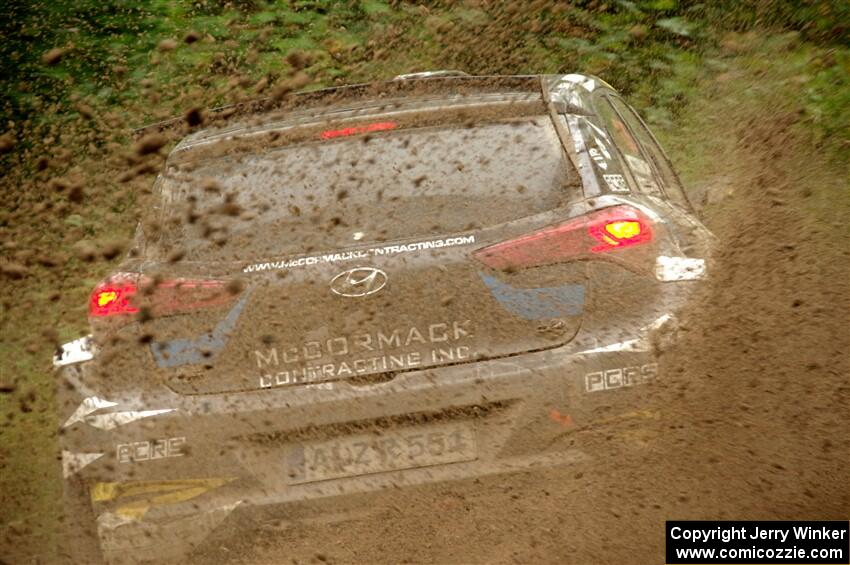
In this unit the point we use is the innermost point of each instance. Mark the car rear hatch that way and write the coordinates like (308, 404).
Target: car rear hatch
(362, 248)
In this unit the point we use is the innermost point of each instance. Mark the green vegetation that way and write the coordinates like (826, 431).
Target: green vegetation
(116, 55)
(78, 75)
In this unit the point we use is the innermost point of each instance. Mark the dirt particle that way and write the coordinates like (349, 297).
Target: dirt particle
(7, 142)
(51, 335)
(191, 37)
(76, 194)
(283, 88)
(194, 117)
(58, 184)
(150, 143)
(638, 31)
(25, 406)
(86, 111)
(234, 286)
(138, 170)
(53, 56)
(49, 261)
(112, 248)
(298, 60)
(211, 186)
(85, 251)
(13, 270)
(144, 315)
(167, 45)
(230, 209)
(176, 256)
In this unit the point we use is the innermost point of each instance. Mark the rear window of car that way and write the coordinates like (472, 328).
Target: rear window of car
(349, 189)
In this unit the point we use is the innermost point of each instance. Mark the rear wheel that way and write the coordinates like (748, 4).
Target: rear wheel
(78, 539)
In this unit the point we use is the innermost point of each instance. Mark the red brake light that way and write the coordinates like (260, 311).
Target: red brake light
(113, 296)
(617, 233)
(602, 231)
(356, 130)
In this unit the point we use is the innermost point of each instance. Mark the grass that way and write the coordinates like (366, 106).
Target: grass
(112, 50)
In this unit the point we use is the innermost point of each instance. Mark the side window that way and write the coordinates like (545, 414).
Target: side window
(653, 153)
(629, 147)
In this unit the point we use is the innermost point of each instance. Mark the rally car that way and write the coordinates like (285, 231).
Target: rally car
(426, 279)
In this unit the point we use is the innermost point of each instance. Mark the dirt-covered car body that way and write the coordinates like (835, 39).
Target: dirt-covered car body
(430, 279)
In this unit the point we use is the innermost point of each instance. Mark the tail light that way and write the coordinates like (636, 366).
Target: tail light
(114, 296)
(125, 293)
(606, 231)
(357, 130)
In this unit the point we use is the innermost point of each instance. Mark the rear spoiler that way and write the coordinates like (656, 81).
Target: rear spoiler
(431, 74)
(455, 82)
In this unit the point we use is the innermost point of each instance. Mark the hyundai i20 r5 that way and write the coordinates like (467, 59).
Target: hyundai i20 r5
(381, 285)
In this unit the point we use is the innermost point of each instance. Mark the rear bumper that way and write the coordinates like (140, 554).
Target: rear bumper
(166, 470)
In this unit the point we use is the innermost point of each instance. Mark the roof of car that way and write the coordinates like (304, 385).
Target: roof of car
(404, 86)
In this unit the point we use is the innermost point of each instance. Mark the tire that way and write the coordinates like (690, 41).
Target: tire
(78, 539)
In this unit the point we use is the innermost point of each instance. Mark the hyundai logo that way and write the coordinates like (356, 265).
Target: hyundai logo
(359, 281)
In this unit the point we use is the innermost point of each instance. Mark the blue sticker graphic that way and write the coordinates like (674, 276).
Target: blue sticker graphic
(537, 303)
(179, 352)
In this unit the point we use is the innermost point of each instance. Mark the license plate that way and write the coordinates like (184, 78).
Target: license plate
(365, 454)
